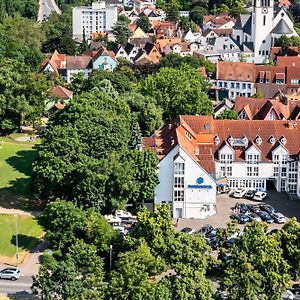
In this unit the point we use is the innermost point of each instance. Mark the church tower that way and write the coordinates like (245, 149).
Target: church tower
(262, 25)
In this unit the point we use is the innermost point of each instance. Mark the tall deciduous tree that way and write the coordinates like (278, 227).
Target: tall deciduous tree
(144, 23)
(178, 91)
(121, 32)
(228, 114)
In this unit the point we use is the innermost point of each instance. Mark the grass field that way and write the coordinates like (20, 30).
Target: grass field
(29, 234)
(15, 169)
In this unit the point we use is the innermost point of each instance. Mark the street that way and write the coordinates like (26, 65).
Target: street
(46, 7)
(20, 286)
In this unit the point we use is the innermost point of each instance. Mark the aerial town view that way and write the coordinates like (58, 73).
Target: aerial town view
(150, 149)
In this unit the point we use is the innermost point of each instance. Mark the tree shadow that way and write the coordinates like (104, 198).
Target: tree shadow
(22, 295)
(25, 242)
(22, 161)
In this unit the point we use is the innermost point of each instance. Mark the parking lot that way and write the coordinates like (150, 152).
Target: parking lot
(280, 201)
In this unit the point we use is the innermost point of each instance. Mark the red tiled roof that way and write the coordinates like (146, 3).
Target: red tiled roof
(61, 92)
(288, 61)
(202, 148)
(258, 109)
(235, 71)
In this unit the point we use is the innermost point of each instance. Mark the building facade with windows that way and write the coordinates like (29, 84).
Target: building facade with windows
(199, 156)
(97, 18)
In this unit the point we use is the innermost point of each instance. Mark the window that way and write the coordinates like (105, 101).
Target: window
(249, 171)
(275, 172)
(276, 159)
(220, 84)
(264, 21)
(178, 182)
(261, 80)
(292, 188)
(225, 84)
(284, 158)
(255, 171)
(279, 81)
(178, 195)
(226, 158)
(237, 85)
(292, 177)
(179, 168)
(272, 115)
(283, 172)
(232, 85)
(282, 185)
(188, 135)
(229, 171)
(223, 172)
(244, 86)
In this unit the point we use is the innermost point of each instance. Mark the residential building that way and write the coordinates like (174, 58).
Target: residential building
(267, 109)
(235, 77)
(99, 17)
(198, 155)
(221, 21)
(260, 29)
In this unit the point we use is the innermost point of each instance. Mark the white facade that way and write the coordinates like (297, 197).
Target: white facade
(186, 186)
(236, 88)
(253, 173)
(99, 17)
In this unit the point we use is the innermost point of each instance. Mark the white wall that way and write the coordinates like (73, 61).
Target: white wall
(195, 198)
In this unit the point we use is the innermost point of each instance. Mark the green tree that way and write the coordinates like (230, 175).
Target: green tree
(186, 24)
(144, 23)
(121, 33)
(256, 267)
(172, 10)
(290, 240)
(197, 13)
(61, 220)
(228, 114)
(178, 91)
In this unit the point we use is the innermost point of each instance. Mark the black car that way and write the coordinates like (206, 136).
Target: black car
(254, 208)
(244, 208)
(295, 289)
(250, 194)
(242, 218)
(205, 230)
(268, 208)
(266, 217)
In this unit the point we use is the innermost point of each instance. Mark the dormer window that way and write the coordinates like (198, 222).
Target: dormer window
(272, 140)
(283, 140)
(258, 140)
(188, 135)
(245, 140)
(230, 140)
(216, 140)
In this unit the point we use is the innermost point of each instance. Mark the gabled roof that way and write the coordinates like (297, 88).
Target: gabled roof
(241, 22)
(79, 62)
(103, 52)
(61, 92)
(55, 60)
(235, 71)
(202, 147)
(282, 28)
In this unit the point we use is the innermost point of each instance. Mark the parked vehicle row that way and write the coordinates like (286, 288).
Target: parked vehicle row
(122, 221)
(249, 194)
(256, 213)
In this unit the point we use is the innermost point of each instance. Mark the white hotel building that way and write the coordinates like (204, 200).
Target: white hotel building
(199, 156)
(97, 18)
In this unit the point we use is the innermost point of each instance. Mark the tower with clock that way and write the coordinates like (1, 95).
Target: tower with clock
(262, 25)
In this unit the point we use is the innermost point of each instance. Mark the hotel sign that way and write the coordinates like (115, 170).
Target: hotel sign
(199, 185)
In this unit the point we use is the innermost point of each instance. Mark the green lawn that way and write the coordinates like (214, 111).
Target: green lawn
(29, 234)
(16, 166)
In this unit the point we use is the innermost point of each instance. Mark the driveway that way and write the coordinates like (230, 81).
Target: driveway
(280, 201)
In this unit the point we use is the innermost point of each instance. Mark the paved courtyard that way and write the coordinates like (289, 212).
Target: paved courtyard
(280, 201)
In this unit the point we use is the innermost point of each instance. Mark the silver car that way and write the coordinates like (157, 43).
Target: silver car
(10, 273)
(278, 217)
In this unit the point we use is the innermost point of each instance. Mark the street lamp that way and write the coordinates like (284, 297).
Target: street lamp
(110, 257)
(17, 242)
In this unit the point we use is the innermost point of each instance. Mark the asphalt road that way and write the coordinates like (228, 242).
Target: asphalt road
(20, 286)
(46, 8)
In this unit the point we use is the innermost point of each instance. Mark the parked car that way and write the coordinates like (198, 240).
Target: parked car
(268, 208)
(239, 193)
(266, 217)
(253, 217)
(254, 208)
(278, 217)
(243, 208)
(212, 234)
(10, 273)
(188, 230)
(205, 230)
(242, 218)
(249, 194)
(259, 196)
(295, 289)
(214, 243)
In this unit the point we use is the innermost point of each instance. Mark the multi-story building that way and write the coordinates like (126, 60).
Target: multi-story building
(97, 18)
(199, 155)
(235, 77)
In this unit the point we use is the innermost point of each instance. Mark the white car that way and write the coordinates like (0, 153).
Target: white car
(10, 273)
(278, 217)
(260, 196)
(239, 193)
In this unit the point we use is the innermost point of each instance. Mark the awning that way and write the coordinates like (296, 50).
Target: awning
(222, 181)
